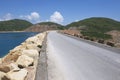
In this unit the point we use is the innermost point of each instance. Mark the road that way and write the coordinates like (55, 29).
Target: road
(72, 59)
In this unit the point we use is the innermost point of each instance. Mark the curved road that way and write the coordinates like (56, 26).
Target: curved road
(72, 59)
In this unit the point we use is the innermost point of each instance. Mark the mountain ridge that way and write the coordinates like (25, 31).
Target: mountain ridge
(14, 25)
(96, 27)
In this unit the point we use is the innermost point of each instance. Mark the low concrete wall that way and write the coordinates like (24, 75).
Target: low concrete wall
(42, 73)
(21, 62)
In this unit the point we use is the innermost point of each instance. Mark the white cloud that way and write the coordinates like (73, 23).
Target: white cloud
(34, 17)
(8, 16)
(56, 17)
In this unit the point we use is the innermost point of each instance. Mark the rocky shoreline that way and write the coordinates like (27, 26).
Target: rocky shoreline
(21, 62)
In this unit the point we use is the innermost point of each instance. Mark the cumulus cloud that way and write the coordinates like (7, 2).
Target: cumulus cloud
(33, 16)
(8, 16)
(56, 17)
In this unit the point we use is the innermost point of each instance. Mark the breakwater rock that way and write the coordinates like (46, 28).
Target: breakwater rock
(21, 62)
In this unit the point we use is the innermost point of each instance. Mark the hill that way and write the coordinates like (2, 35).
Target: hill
(44, 26)
(14, 25)
(96, 27)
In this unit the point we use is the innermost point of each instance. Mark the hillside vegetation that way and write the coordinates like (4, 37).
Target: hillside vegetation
(14, 25)
(44, 26)
(96, 27)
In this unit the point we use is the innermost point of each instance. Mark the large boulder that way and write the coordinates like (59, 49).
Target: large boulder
(31, 73)
(2, 74)
(24, 61)
(32, 40)
(17, 75)
(14, 67)
(36, 39)
(41, 36)
(32, 46)
(31, 53)
(4, 68)
(11, 57)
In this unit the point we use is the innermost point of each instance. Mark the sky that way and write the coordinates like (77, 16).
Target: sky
(59, 11)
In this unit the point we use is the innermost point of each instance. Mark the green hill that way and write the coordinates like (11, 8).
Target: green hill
(44, 26)
(96, 27)
(14, 25)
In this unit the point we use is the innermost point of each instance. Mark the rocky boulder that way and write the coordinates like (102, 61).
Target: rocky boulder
(2, 74)
(4, 68)
(11, 57)
(31, 53)
(24, 61)
(14, 67)
(32, 46)
(31, 73)
(41, 36)
(32, 40)
(17, 75)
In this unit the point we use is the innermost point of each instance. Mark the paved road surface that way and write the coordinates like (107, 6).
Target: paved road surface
(71, 59)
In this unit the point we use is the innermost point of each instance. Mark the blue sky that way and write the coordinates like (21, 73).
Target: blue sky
(60, 11)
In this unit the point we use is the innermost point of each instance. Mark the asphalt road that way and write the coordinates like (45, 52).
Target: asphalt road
(72, 59)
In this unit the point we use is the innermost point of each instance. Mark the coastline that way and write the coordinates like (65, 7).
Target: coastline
(22, 59)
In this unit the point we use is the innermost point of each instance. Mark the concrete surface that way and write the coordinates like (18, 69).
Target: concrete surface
(72, 59)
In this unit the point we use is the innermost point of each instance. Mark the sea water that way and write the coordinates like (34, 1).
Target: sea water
(10, 40)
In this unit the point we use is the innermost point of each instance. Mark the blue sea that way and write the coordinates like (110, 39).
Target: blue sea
(10, 40)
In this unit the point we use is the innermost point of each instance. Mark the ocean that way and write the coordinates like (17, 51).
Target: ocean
(10, 40)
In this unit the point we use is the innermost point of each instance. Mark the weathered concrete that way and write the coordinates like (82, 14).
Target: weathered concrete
(73, 59)
(41, 73)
